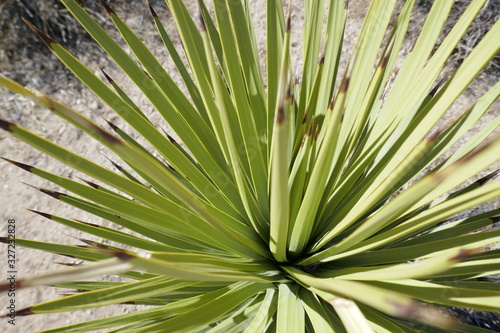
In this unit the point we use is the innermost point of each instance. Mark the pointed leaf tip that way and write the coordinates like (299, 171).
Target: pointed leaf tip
(488, 177)
(88, 223)
(306, 113)
(321, 61)
(91, 184)
(310, 128)
(316, 133)
(106, 6)
(203, 26)
(48, 216)
(171, 139)
(110, 80)
(46, 39)
(383, 64)
(151, 9)
(22, 312)
(23, 166)
(53, 194)
(345, 85)
(6, 125)
(110, 124)
(438, 86)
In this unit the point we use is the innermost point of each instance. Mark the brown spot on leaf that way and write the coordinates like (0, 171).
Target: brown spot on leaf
(280, 117)
(463, 254)
(122, 255)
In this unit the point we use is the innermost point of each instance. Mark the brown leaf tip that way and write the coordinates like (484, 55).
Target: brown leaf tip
(106, 6)
(46, 39)
(383, 64)
(113, 126)
(69, 264)
(321, 61)
(89, 224)
(310, 129)
(289, 18)
(48, 216)
(489, 177)
(316, 133)
(345, 85)
(289, 93)
(171, 139)
(53, 194)
(110, 80)
(332, 103)
(306, 114)
(116, 165)
(435, 90)
(346, 4)
(91, 184)
(93, 244)
(153, 13)
(203, 26)
(6, 125)
(22, 312)
(23, 166)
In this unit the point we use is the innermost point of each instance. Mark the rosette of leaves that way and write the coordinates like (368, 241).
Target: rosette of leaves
(296, 203)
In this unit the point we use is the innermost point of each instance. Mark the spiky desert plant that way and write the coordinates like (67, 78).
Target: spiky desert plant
(297, 204)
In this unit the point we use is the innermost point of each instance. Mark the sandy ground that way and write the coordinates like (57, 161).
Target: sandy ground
(16, 196)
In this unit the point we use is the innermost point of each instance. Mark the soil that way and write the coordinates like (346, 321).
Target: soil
(60, 84)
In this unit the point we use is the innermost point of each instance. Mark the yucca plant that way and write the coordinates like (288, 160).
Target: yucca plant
(298, 203)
